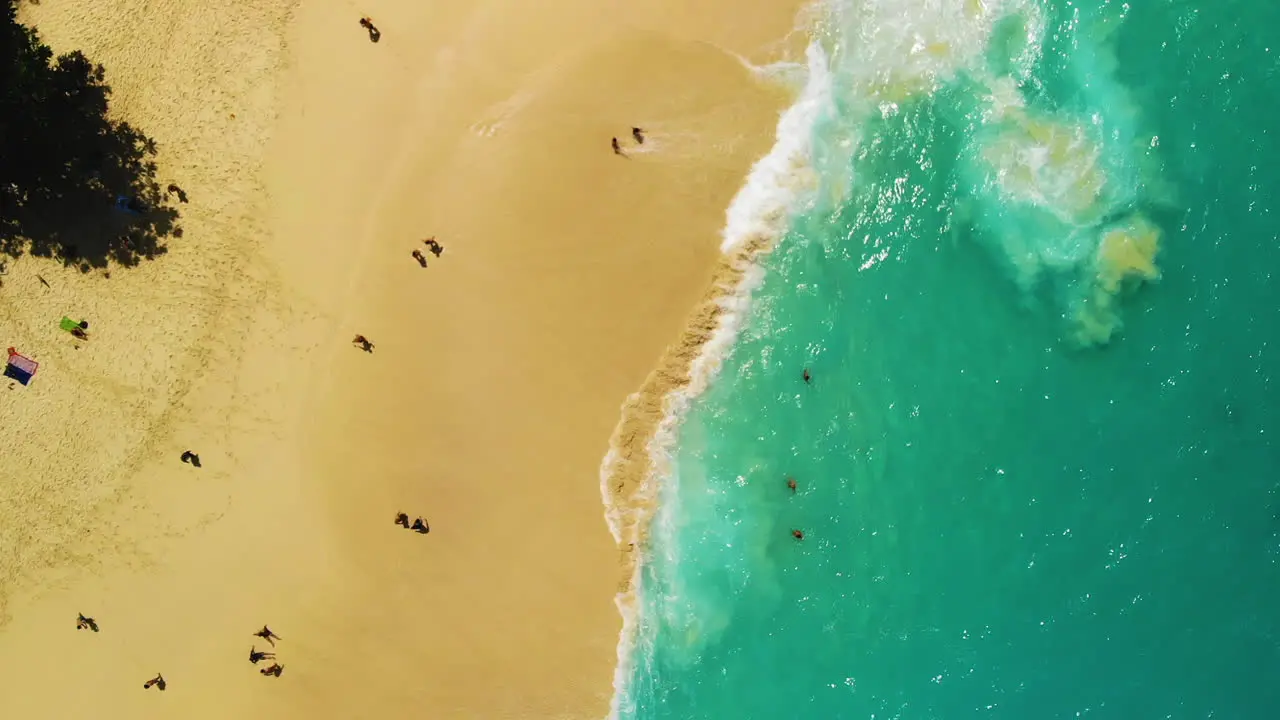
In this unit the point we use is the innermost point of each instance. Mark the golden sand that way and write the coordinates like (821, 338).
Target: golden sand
(315, 161)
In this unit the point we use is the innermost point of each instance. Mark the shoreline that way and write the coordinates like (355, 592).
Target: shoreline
(638, 460)
(624, 568)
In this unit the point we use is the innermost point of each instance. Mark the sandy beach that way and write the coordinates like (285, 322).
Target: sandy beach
(315, 162)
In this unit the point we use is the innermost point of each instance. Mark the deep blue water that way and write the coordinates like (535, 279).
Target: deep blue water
(1036, 467)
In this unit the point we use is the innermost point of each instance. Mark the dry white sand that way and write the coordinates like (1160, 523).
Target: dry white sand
(315, 161)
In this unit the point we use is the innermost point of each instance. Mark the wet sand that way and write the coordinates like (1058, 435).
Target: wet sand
(486, 406)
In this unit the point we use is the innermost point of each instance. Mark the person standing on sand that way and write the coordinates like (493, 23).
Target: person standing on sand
(617, 149)
(266, 634)
(158, 681)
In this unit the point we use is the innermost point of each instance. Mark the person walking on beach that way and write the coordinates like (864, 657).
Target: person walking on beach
(255, 655)
(273, 669)
(83, 622)
(190, 457)
(363, 342)
(158, 681)
(374, 34)
(791, 483)
(797, 534)
(420, 526)
(638, 134)
(266, 634)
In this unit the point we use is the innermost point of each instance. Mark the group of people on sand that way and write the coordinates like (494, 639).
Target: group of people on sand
(435, 248)
(419, 526)
(636, 133)
(84, 622)
(255, 655)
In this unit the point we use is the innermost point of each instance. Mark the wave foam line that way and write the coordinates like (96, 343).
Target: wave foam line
(640, 452)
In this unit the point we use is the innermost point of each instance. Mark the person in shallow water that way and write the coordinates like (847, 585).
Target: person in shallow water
(797, 534)
(807, 377)
(791, 483)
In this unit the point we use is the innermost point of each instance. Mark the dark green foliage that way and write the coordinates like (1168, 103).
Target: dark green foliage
(64, 163)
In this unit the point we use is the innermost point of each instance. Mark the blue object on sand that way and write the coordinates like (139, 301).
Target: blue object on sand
(128, 204)
(20, 368)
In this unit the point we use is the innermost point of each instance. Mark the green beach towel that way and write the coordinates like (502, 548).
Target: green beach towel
(69, 325)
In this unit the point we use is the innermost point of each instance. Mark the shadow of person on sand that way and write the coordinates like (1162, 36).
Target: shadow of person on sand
(75, 185)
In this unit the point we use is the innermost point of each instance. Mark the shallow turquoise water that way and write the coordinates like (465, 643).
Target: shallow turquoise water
(1026, 491)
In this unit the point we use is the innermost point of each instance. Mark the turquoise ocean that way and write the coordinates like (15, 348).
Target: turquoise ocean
(1030, 265)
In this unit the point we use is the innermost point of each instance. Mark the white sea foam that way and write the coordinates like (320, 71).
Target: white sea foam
(756, 218)
(882, 53)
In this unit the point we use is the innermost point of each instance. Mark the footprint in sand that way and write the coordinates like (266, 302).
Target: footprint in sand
(487, 128)
(499, 113)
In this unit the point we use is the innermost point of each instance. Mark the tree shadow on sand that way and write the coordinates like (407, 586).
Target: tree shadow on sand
(74, 184)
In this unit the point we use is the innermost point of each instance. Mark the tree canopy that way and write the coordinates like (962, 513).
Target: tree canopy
(75, 184)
